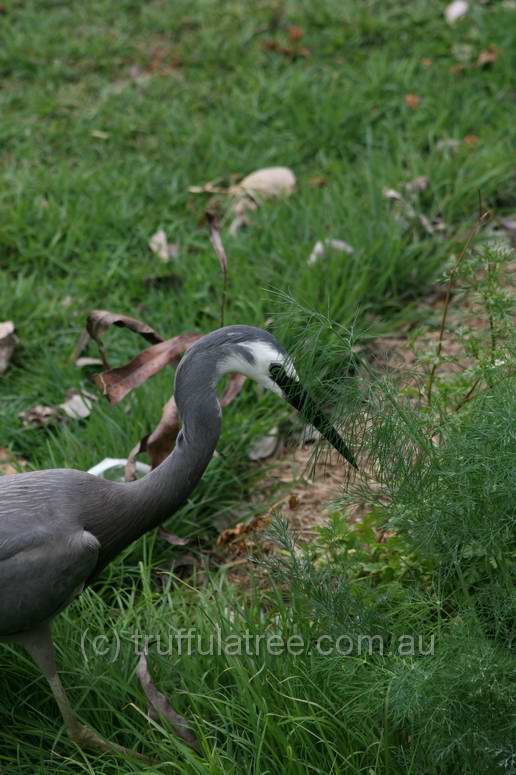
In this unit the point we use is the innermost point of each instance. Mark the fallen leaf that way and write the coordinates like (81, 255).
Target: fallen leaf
(418, 184)
(118, 382)
(159, 443)
(267, 182)
(165, 250)
(454, 11)
(471, 139)
(294, 33)
(426, 62)
(210, 187)
(7, 344)
(78, 405)
(241, 207)
(233, 388)
(425, 223)
(38, 415)
(317, 181)
(487, 57)
(321, 246)
(217, 242)
(265, 446)
(218, 247)
(160, 704)
(97, 323)
(391, 193)
(83, 362)
(99, 134)
(240, 530)
(411, 101)
(293, 502)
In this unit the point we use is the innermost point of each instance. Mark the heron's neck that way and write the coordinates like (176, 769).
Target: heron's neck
(149, 501)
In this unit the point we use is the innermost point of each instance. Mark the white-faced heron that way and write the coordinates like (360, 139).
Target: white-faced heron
(59, 528)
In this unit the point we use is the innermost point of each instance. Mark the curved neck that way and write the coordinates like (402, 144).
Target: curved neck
(168, 486)
(146, 503)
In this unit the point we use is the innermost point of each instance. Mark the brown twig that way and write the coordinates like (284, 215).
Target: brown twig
(483, 217)
(468, 395)
(221, 255)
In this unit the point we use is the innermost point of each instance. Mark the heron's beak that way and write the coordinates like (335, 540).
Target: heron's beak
(297, 396)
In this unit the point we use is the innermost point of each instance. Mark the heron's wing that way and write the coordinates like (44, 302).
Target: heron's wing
(41, 570)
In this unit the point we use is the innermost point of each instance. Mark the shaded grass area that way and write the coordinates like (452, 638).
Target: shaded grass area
(96, 155)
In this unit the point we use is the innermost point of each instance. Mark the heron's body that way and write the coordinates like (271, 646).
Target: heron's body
(59, 528)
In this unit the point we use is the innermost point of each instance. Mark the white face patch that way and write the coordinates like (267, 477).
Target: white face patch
(264, 355)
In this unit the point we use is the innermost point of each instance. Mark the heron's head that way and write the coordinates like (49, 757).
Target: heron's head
(259, 356)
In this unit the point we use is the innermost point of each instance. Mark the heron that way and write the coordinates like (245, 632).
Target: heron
(59, 528)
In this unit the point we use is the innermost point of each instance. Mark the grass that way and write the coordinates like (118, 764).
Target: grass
(93, 162)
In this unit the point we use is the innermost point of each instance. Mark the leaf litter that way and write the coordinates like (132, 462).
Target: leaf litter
(247, 195)
(7, 344)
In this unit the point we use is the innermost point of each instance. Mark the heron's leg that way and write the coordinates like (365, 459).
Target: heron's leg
(38, 643)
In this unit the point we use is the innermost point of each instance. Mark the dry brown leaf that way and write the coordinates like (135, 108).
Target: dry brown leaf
(294, 33)
(218, 247)
(471, 139)
(411, 101)
(293, 502)
(216, 241)
(240, 530)
(233, 388)
(164, 249)
(317, 181)
(117, 383)
(7, 344)
(38, 416)
(97, 323)
(159, 703)
(159, 443)
(487, 57)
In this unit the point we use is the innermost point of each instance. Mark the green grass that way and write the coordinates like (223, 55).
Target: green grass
(77, 209)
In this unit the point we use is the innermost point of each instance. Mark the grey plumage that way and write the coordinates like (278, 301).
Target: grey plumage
(59, 528)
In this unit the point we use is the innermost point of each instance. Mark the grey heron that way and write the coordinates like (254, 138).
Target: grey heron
(60, 527)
